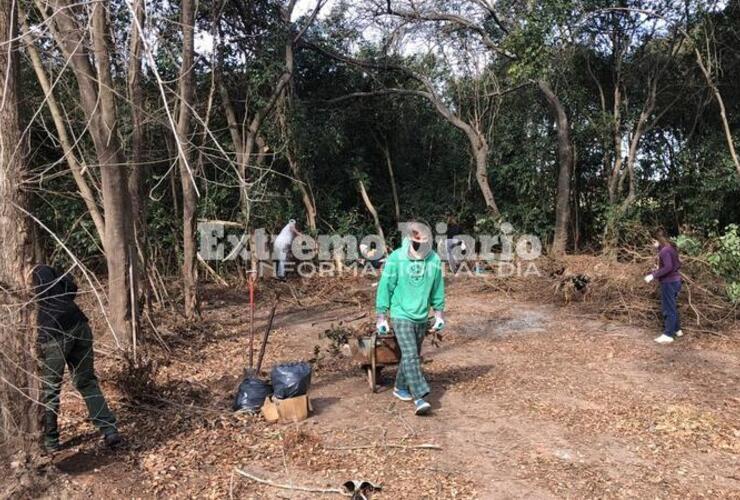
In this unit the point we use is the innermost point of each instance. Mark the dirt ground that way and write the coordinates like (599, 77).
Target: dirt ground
(530, 401)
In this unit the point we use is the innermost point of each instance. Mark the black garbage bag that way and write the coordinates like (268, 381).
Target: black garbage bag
(251, 395)
(290, 380)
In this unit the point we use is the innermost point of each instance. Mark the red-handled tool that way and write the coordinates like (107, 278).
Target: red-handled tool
(251, 280)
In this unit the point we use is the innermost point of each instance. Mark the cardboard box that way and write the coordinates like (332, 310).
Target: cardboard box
(286, 410)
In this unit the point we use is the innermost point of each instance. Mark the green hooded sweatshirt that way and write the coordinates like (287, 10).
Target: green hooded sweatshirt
(409, 286)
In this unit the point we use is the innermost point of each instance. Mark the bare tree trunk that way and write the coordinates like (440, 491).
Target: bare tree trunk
(576, 194)
(616, 170)
(19, 389)
(172, 152)
(232, 121)
(241, 159)
(187, 176)
(370, 208)
(290, 154)
(116, 199)
(137, 170)
(480, 153)
(308, 202)
(722, 112)
(249, 138)
(244, 145)
(616, 177)
(98, 102)
(478, 143)
(565, 160)
(391, 176)
(256, 123)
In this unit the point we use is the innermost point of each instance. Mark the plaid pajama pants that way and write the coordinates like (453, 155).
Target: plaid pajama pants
(410, 335)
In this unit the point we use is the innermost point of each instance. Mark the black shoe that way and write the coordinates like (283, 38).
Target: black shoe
(52, 447)
(113, 439)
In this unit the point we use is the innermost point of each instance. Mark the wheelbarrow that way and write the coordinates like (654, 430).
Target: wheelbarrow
(373, 352)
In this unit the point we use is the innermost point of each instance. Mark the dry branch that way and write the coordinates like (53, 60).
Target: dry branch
(307, 489)
(423, 446)
(212, 271)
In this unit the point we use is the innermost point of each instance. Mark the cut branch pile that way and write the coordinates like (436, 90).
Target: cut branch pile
(616, 290)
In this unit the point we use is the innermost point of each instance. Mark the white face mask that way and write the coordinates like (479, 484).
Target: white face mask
(656, 244)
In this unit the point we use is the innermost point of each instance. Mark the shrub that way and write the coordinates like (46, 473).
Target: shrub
(725, 260)
(688, 245)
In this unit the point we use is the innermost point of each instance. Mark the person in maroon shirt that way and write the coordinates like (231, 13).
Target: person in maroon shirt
(670, 285)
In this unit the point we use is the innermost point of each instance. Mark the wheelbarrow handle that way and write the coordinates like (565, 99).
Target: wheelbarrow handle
(389, 334)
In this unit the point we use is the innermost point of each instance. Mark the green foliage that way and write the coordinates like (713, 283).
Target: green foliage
(688, 245)
(721, 251)
(725, 260)
(684, 176)
(487, 225)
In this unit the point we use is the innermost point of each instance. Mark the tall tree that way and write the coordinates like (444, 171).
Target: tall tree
(19, 418)
(639, 56)
(472, 126)
(292, 155)
(565, 167)
(501, 29)
(75, 163)
(385, 148)
(138, 167)
(246, 139)
(71, 26)
(471, 17)
(186, 95)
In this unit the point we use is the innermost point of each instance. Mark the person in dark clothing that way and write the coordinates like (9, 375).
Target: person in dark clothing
(65, 338)
(670, 285)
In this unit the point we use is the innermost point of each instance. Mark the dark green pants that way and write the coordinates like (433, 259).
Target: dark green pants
(73, 348)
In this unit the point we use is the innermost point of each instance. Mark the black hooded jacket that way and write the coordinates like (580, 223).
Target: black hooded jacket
(55, 294)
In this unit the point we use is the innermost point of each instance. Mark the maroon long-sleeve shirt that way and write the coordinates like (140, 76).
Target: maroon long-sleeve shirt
(669, 265)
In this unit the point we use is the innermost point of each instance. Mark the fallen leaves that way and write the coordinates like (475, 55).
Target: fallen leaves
(564, 398)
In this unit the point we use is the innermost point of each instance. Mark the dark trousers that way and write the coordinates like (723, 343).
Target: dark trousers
(73, 348)
(669, 305)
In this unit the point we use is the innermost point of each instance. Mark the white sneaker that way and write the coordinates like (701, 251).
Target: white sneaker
(664, 339)
(679, 333)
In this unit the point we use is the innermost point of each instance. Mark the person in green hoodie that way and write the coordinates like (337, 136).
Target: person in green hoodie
(411, 282)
